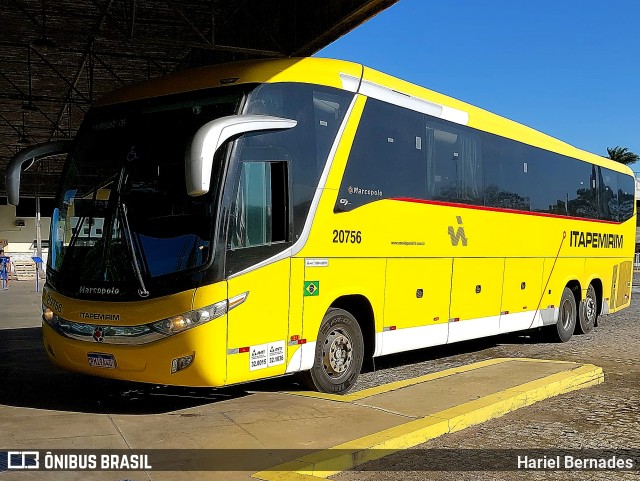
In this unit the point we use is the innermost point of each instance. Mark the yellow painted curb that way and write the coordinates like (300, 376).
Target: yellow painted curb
(351, 454)
(393, 386)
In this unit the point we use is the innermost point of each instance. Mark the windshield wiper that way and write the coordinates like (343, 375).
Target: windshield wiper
(142, 292)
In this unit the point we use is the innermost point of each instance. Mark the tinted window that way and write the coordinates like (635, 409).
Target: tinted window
(387, 158)
(561, 185)
(259, 212)
(607, 194)
(319, 112)
(399, 153)
(506, 174)
(454, 160)
(626, 191)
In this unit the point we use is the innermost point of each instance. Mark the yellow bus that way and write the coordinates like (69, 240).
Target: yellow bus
(256, 219)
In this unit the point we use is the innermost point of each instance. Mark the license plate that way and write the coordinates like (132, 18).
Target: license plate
(107, 361)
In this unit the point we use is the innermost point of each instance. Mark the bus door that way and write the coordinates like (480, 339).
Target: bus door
(258, 230)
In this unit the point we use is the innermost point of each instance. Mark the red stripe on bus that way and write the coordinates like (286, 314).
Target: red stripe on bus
(497, 209)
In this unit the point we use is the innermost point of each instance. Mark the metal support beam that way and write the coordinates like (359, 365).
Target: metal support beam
(31, 17)
(19, 132)
(192, 26)
(23, 96)
(72, 85)
(343, 26)
(95, 31)
(109, 69)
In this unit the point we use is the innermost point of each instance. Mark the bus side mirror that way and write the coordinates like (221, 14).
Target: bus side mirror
(30, 154)
(208, 139)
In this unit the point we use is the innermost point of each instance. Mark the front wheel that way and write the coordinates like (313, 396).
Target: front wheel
(588, 312)
(339, 354)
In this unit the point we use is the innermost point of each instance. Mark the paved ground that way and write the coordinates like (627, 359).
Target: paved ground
(602, 417)
(20, 305)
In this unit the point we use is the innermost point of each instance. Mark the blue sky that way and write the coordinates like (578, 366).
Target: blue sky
(569, 68)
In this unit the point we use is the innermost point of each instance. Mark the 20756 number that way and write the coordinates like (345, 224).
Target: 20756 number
(347, 236)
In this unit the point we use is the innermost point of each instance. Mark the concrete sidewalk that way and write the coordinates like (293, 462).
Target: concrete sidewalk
(271, 435)
(21, 305)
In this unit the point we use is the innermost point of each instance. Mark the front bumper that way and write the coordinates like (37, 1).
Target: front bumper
(149, 363)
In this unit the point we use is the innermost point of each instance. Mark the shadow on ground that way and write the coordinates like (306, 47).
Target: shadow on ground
(450, 350)
(28, 379)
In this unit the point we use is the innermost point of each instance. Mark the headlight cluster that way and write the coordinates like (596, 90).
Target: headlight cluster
(48, 315)
(182, 322)
(144, 333)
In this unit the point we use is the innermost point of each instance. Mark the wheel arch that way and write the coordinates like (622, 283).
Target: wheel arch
(361, 308)
(576, 288)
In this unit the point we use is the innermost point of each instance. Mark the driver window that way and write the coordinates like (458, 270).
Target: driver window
(259, 214)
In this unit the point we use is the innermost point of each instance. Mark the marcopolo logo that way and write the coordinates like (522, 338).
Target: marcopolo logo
(109, 291)
(352, 189)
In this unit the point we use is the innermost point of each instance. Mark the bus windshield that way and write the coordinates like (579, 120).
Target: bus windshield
(123, 216)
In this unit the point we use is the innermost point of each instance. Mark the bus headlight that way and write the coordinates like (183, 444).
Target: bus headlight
(197, 317)
(187, 320)
(48, 315)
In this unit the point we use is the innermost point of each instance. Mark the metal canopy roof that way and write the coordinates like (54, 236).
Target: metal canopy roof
(58, 57)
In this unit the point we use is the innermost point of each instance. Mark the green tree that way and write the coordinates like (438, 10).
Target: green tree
(622, 155)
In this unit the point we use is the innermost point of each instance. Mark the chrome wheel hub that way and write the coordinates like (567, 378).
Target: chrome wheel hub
(337, 353)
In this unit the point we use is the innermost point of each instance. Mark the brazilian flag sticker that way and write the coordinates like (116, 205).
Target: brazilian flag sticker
(311, 288)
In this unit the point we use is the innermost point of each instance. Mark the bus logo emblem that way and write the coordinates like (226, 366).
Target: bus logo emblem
(459, 235)
(98, 334)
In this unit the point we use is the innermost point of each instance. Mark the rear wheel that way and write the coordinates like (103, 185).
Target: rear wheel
(339, 354)
(563, 329)
(588, 312)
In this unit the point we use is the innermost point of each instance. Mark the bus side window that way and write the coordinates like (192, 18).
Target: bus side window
(626, 191)
(387, 157)
(507, 174)
(259, 219)
(607, 194)
(259, 214)
(454, 165)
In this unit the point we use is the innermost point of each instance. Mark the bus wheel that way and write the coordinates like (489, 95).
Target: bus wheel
(563, 329)
(588, 312)
(339, 354)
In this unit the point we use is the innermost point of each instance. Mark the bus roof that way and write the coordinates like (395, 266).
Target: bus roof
(332, 73)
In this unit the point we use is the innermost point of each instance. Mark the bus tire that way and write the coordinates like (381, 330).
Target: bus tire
(564, 327)
(588, 312)
(339, 354)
